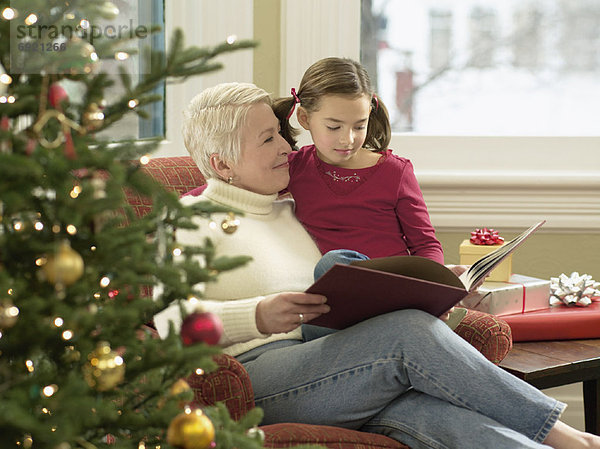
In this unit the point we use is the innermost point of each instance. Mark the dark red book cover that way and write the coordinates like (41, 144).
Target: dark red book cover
(374, 287)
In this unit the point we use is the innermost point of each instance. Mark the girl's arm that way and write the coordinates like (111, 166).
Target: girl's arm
(413, 216)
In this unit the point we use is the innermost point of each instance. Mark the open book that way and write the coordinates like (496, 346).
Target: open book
(368, 288)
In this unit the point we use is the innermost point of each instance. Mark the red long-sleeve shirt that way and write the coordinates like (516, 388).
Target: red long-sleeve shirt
(378, 211)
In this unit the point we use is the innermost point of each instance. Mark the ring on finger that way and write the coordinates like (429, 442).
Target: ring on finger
(301, 316)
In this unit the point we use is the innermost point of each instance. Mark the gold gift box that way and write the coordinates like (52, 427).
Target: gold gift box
(470, 253)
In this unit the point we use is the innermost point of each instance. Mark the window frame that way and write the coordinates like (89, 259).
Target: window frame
(204, 22)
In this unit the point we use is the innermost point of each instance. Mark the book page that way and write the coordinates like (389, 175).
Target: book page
(482, 267)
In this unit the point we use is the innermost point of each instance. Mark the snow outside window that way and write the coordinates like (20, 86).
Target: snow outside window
(494, 67)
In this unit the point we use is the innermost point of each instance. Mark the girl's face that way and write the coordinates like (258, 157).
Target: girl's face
(338, 128)
(263, 166)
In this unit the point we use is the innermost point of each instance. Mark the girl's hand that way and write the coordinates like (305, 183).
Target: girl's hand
(444, 316)
(281, 312)
(460, 269)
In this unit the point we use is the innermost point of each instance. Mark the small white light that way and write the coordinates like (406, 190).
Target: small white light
(67, 335)
(29, 365)
(94, 56)
(121, 56)
(71, 229)
(12, 312)
(5, 78)
(8, 13)
(11, 99)
(231, 39)
(132, 103)
(199, 371)
(144, 160)
(177, 252)
(3, 99)
(38, 225)
(84, 23)
(18, 226)
(31, 19)
(49, 390)
(105, 281)
(58, 321)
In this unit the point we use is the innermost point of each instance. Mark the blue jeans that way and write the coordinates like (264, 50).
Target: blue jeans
(329, 259)
(405, 375)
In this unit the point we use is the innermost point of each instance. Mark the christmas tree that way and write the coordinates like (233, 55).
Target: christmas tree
(79, 367)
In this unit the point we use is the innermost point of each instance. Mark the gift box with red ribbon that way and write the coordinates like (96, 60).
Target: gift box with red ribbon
(556, 323)
(520, 294)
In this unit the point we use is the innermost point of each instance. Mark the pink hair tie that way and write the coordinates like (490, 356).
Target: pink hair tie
(376, 100)
(296, 101)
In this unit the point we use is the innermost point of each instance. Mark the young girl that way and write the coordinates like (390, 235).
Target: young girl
(350, 190)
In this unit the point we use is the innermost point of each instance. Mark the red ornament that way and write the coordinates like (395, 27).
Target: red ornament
(486, 236)
(201, 327)
(56, 95)
(4, 123)
(69, 150)
(31, 144)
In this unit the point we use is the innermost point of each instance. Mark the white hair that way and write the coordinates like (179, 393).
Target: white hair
(214, 119)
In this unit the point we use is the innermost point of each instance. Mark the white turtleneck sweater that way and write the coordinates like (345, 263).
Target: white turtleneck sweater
(283, 258)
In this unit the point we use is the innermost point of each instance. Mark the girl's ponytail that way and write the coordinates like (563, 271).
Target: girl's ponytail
(379, 131)
(282, 108)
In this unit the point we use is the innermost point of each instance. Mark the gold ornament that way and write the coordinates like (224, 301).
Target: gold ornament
(105, 368)
(178, 388)
(64, 267)
(230, 224)
(191, 430)
(9, 314)
(108, 10)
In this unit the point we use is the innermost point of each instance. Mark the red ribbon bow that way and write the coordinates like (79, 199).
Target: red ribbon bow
(486, 236)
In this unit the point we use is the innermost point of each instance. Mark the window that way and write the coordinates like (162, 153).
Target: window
(497, 67)
(139, 13)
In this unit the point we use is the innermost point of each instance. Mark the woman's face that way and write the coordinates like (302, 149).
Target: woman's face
(263, 165)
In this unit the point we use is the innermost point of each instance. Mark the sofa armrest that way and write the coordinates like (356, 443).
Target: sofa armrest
(487, 333)
(229, 384)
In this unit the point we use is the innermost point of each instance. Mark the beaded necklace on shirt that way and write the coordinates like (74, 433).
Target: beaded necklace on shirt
(341, 180)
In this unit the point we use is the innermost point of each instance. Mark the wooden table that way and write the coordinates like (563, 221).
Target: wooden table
(546, 364)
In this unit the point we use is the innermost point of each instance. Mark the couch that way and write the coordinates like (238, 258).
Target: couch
(230, 383)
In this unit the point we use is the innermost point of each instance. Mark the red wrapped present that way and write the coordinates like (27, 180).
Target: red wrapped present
(556, 323)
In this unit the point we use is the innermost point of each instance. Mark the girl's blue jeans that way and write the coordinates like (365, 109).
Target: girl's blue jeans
(405, 375)
(329, 259)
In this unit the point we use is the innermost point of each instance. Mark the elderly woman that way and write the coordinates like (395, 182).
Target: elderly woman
(403, 374)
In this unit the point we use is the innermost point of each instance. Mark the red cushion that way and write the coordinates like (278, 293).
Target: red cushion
(293, 434)
(487, 333)
(179, 174)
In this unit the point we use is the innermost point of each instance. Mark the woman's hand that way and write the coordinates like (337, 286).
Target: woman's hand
(282, 312)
